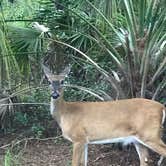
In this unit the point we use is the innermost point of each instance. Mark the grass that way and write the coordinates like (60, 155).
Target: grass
(12, 157)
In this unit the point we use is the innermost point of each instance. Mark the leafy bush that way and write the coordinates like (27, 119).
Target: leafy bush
(33, 119)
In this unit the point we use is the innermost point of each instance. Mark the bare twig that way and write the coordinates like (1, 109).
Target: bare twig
(27, 89)
(13, 143)
(159, 88)
(90, 91)
(11, 104)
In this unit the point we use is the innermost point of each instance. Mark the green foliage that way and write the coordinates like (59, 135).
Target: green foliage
(36, 119)
(20, 48)
(8, 159)
(21, 119)
(11, 159)
(129, 50)
(38, 130)
(20, 9)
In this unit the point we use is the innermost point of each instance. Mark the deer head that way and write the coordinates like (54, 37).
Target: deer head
(56, 81)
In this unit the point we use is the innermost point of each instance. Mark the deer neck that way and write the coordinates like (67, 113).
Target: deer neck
(57, 108)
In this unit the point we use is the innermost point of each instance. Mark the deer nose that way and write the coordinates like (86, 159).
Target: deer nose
(55, 95)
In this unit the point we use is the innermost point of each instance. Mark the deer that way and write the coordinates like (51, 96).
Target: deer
(138, 121)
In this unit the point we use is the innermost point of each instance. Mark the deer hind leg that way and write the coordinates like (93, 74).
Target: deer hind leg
(142, 153)
(80, 154)
(160, 160)
(159, 147)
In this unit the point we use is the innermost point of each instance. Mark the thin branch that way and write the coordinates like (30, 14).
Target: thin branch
(18, 20)
(159, 88)
(28, 139)
(159, 71)
(12, 104)
(22, 91)
(86, 90)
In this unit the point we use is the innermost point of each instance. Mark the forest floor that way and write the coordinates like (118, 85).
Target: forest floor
(57, 152)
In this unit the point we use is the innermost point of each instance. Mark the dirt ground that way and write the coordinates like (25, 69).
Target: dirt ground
(57, 152)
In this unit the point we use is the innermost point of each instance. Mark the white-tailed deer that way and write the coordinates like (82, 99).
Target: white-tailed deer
(138, 121)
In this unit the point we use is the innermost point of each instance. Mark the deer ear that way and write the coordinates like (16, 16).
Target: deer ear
(66, 71)
(47, 73)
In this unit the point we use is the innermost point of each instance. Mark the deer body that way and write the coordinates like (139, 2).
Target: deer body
(95, 121)
(137, 120)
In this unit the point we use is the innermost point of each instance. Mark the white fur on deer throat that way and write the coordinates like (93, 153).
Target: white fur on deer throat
(52, 106)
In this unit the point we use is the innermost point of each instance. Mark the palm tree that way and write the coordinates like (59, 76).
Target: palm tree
(133, 35)
(21, 47)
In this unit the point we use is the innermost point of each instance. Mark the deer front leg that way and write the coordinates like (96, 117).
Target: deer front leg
(80, 154)
(143, 154)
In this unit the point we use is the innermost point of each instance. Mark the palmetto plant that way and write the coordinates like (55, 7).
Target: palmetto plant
(131, 33)
(20, 48)
(135, 39)
(23, 43)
